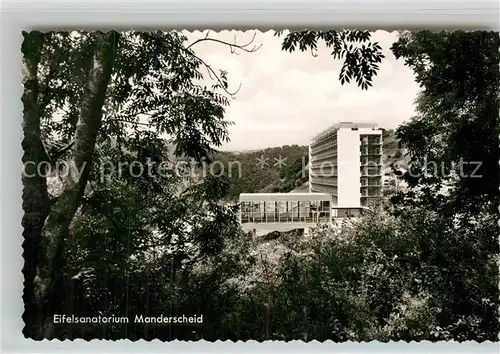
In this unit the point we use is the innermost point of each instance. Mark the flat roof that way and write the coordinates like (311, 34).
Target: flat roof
(284, 196)
(350, 207)
(281, 194)
(335, 127)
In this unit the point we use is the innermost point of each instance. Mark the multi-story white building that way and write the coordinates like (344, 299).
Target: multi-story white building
(345, 161)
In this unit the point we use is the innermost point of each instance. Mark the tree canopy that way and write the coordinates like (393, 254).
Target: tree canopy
(80, 90)
(360, 57)
(456, 127)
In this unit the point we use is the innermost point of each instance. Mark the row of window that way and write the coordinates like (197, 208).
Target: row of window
(368, 202)
(329, 155)
(285, 205)
(331, 150)
(373, 190)
(370, 192)
(322, 217)
(370, 171)
(327, 166)
(371, 139)
(331, 139)
(318, 188)
(371, 181)
(329, 171)
(325, 179)
(326, 138)
(330, 147)
(370, 150)
(371, 160)
(285, 211)
(366, 180)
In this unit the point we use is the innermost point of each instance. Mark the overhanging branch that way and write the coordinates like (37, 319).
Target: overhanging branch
(214, 75)
(232, 46)
(247, 47)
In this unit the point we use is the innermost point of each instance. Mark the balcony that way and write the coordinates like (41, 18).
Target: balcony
(371, 161)
(371, 140)
(325, 181)
(370, 152)
(327, 136)
(322, 188)
(371, 193)
(330, 168)
(329, 146)
(374, 185)
(370, 172)
(325, 158)
(366, 195)
(325, 153)
(371, 143)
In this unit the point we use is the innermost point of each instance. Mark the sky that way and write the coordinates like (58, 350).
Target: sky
(287, 98)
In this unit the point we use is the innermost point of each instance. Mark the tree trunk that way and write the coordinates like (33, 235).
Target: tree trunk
(35, 197)
(56, 228)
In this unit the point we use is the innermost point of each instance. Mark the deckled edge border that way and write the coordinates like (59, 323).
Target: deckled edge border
(244, 16)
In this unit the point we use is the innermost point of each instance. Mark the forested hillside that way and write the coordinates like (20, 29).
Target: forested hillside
(262, 172)
(266, 176)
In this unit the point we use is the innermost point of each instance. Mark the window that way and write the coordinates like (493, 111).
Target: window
(371, 160)
(246, 212)
(370, 171)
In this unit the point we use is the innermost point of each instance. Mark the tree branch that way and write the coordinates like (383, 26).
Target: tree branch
(128, 122)
(232, 46)
(214, 75)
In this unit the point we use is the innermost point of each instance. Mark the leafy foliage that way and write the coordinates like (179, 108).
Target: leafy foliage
(456, 132)
(457, 123)
(360, 56)
(156, 88)
(383, 278)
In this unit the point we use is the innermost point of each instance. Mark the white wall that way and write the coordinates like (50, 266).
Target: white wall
(348, 155)
(348, 162)
(309, 169)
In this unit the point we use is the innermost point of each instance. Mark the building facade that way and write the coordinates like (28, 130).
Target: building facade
(284, 211)
(345, 161)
